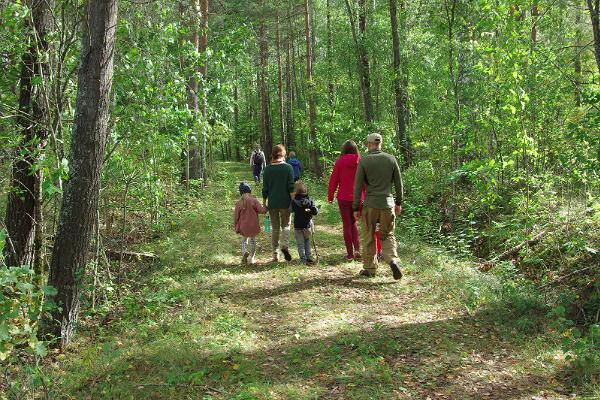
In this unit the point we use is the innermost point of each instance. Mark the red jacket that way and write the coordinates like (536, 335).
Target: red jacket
(245, 219)
(342, 178)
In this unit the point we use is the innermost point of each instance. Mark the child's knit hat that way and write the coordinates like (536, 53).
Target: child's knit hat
(245, 188)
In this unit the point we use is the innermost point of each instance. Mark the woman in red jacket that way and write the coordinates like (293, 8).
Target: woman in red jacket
(342, 180)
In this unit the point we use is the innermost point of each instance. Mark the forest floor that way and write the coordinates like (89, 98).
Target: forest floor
(199, 325)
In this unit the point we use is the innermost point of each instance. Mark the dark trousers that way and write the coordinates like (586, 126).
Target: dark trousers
(256, 170)
(351, 238)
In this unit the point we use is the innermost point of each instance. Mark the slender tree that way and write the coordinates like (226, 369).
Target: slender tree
(594, 9)
(279, 79)
(23, 211)
(80, 201)
(195, 164)
(399, 83)
(330, 91)
(202, 69)
(267, 134)
(362, 59)
(312, 104)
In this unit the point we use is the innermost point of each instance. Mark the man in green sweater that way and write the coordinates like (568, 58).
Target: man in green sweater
(277, 192)
(378, 171)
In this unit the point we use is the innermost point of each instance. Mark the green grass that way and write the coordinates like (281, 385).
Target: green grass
(201, 326)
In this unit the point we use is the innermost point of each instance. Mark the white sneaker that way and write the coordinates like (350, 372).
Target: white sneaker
(251, 260)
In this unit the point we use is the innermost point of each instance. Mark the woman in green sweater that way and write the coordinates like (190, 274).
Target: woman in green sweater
(278, 192)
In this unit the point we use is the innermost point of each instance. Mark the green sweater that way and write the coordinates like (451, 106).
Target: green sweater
(278, 183)
(378, 171)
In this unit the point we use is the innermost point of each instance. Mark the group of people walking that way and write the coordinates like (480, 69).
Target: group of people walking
(364, 193)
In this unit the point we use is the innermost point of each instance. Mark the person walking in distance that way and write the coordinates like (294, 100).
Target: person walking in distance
(296, 165)
(378, 171)
(257, 163)
(278, 192)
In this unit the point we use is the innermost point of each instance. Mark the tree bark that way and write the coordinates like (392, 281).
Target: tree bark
(289, 87)
(312, 104)
(80, 201)
(267, 134)
(578, 47)
(195, 165)
(280, 80)
(593, 7)
(203, 71)
(330, 96)
(362, 59)
(400, 89)
(23, 210)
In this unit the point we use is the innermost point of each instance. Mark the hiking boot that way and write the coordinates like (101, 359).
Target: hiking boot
(245, 258)
(368, 274)
(286, 254)
(357, 256)
(310, 261)
(395, 270)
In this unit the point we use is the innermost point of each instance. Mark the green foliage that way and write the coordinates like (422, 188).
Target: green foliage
(22, 304)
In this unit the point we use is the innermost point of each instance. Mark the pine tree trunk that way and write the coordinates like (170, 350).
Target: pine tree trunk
(312, 104)
(593, 7)
(289, 87)
(267, 135)
(280, 81)
(362, 59)
(80, 201)
(203, 70)
(23, 210)
(400, 89)
(193, 103)
(289, 92)
(330, 96)
(577, 56)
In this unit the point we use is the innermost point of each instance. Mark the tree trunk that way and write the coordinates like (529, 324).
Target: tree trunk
(289, 87)
(577, 56)
(312, 105)
(330, 96)
(80, 201)
(400, 89)
(280, 81)
(450, 19)
(267, 135)
(362, 59)
(236, 119)
(193, 162)
(23, 211)
(593, 6)
(202, 70)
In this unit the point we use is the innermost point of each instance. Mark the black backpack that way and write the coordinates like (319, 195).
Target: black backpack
(258, 158)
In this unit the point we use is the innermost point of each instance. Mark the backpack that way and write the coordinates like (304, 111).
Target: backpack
(258, 158)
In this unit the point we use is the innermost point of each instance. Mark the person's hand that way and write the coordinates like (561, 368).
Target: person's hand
(397, 210)
(357, 214)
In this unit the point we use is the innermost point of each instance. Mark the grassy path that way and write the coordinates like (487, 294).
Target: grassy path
(201, 326)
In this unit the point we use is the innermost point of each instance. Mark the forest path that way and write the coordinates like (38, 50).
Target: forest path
(202, 326)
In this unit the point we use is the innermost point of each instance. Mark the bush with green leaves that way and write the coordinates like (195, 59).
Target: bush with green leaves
(21, 306)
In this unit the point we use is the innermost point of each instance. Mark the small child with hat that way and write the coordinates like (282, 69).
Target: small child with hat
(246, 223)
